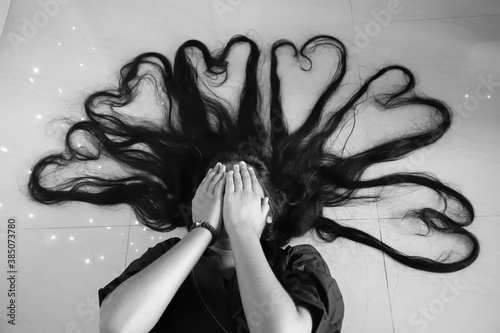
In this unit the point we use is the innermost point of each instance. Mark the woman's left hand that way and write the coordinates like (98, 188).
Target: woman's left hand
(243, 208)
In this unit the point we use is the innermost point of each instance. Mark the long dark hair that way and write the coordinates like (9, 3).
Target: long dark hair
(164, 161)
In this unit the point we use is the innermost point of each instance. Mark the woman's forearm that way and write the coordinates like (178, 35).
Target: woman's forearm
(137, 303)
(268, 307)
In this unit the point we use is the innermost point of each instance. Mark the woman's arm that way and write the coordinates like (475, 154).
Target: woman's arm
(268, 307)
(137, 303)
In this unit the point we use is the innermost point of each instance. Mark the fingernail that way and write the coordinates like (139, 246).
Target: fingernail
(250, 168)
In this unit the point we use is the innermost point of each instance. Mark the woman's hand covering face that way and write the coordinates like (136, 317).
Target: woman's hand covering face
(207, 202)
(243, 209)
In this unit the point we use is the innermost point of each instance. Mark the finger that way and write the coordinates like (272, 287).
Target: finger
(253, 178)
(238, 185)
(208, 178)
(229, 182)
(245, 177)
(204, 182)
(220, 185)
(215, 180)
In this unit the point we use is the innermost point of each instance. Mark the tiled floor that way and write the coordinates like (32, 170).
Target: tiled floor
(52, 52)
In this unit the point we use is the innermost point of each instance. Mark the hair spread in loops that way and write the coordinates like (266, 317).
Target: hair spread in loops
(167, 159)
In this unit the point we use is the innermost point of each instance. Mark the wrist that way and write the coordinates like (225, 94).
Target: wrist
(241, 231)
(202, 232)
(206, 226)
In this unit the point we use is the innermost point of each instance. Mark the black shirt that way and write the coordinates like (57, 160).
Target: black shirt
(206, 303)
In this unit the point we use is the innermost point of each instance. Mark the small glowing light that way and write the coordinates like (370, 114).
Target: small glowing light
(31, 215)
(93, 48)
(31, 80)
(4, 149)
(29, 172)
(60, 90)
(79, 145)
(74, 28)
(35, 70)
(81, 65)
(136, 222)
(39, 116)
(131, 243)
(466, 96)
(59, 44)
(0, 205)
(108, 227)
(489, 96)
(99, 167)
(143, 228)
(83, 118)
(71, 238)
(91, 220)
(87, 261)
(136, 250)
(53, 237)
(102, 257)
(122, 234)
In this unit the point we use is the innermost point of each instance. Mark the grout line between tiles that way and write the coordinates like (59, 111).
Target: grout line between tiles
(75, 227)
(352, 13)
(128, 240)
(386, 280)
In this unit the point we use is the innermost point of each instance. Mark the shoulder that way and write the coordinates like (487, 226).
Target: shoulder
(306, 256)
(308, 280)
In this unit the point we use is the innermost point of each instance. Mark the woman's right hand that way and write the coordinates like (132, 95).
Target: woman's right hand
(207, 202)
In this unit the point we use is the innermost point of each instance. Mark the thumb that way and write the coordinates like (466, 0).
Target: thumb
(265, 206)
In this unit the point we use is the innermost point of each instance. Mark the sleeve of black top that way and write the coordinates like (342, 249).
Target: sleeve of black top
(137, 265)
(308, 281)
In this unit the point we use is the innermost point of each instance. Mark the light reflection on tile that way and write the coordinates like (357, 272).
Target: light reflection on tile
(467, 156)
(59, 273)
(142, 238)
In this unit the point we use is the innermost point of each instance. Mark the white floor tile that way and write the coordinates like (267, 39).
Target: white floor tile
(464, 301)
(466, 157)
(360, 274)
(59, 272)
(142, 238)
